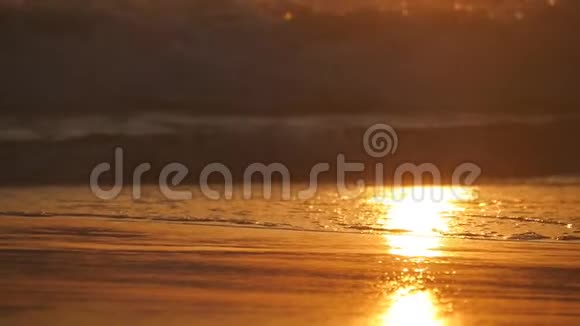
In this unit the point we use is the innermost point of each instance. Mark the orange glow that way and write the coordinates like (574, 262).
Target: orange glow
(412, 307)
(288, 16)
(420, 213)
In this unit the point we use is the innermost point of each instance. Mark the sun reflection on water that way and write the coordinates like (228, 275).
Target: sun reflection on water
(418, 216)
(412, 307)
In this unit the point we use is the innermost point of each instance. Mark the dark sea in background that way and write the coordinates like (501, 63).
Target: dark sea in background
(297, 82)
(64, 150)
(287, 57)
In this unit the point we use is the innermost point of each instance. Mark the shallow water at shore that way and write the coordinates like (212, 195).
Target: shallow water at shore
(497, 255)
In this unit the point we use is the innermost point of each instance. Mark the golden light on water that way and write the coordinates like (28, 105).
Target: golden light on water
(417, 217)
(409, 306)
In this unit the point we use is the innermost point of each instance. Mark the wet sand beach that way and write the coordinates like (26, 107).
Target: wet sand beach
(66, 270)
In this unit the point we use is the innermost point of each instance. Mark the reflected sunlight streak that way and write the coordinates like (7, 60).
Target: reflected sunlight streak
(423, 213)
(412, 307)
(416, 217)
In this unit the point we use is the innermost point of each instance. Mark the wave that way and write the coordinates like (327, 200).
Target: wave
(181, 219)
(346, 229)
(152, 123)
(526, 236)
(520, 219)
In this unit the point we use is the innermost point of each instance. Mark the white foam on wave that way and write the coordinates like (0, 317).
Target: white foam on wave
(154, 123)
